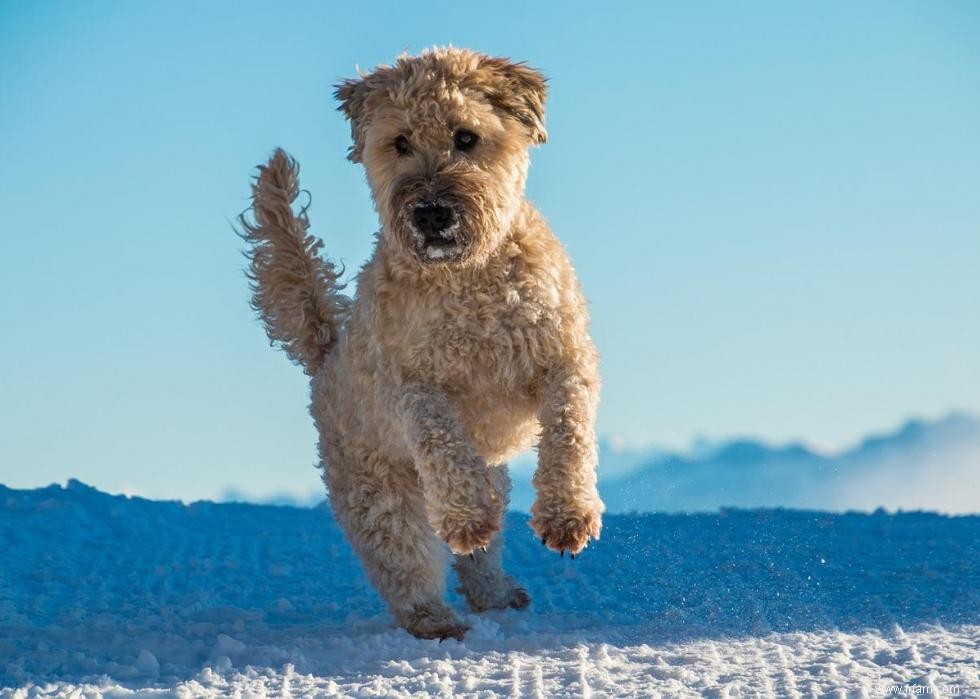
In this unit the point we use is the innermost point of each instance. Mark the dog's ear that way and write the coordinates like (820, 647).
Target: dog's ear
(520, 91)
(351, 94)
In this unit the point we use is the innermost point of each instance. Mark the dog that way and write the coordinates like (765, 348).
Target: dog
(466, 343)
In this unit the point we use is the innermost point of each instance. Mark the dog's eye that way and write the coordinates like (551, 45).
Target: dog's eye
(402, 146)
(465, 140)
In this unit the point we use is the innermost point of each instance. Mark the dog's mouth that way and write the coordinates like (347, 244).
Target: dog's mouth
(442, 245)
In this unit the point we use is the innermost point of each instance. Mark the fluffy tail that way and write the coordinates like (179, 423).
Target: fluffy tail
(294, 290)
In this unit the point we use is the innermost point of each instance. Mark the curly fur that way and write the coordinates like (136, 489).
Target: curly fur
(444, 366)
(294, 291)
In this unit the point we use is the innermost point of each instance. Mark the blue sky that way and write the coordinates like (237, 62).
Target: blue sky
(774, 210)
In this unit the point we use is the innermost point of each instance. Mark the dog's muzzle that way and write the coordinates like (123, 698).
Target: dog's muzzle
(437, 225)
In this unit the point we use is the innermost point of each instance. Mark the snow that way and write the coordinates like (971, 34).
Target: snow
(105, 595)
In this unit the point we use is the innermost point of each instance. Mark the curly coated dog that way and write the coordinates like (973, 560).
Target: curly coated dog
(466, 343)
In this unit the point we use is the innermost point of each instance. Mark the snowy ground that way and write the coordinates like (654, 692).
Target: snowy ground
(102, 594)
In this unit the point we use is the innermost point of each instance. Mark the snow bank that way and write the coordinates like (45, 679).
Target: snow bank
(107, 594)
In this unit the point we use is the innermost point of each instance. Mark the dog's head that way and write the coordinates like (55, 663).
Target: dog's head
(444, 140)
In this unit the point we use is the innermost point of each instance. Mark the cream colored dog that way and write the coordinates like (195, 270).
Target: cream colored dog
(466, 343)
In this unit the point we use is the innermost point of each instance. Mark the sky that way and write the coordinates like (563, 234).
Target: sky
(774, 210)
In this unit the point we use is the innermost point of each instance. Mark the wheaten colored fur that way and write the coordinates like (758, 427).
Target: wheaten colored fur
(448, 362)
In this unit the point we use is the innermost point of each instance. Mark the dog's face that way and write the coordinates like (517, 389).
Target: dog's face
(444, 140)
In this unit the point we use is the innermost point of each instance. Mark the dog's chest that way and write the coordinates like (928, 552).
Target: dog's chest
(502, 340)
(494, 338)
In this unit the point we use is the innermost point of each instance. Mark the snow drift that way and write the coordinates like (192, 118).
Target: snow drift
(107, 594)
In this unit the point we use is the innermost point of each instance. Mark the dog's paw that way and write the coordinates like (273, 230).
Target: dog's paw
(566, 527)
(484, 592)
(512, 598)
(435, 621)
(519, 599)
(465, 534)
(471, 523)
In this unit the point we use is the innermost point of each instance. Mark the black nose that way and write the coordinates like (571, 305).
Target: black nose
(432, 218)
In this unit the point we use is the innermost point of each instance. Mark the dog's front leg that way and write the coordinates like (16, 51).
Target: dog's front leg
(462, 505)
(567, 511)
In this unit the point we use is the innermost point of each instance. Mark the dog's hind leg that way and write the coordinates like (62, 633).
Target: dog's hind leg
(380, 507)
(481, 575)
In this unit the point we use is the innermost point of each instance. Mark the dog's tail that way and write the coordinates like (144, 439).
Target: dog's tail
(294, 290)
